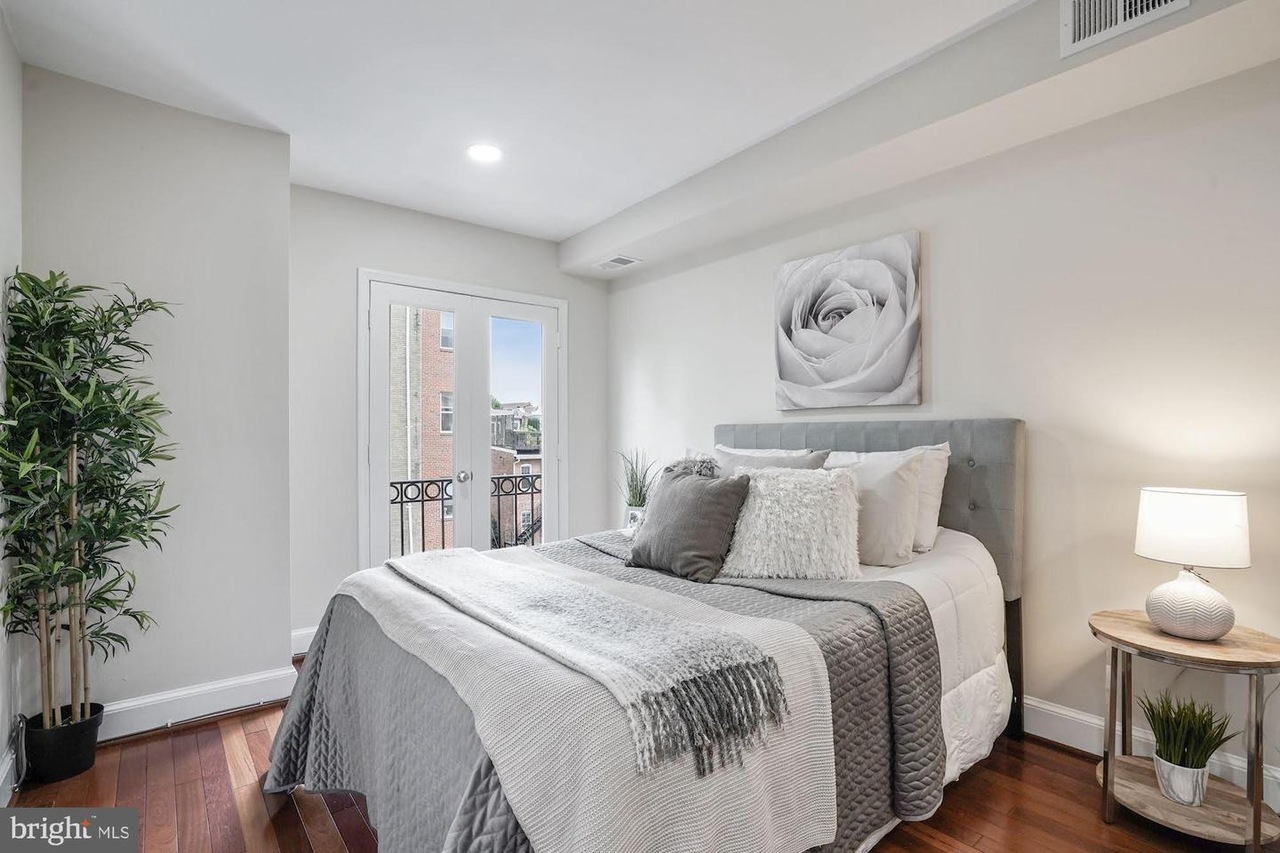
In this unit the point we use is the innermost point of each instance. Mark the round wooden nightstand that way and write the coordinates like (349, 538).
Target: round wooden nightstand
(1229, 814)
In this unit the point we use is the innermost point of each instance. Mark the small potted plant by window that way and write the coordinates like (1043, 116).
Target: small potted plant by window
(638, 479)
(1187, 734)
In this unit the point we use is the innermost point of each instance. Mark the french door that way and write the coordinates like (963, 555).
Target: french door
(461, 418)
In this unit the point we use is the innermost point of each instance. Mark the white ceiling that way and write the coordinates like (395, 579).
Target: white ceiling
(598, 104)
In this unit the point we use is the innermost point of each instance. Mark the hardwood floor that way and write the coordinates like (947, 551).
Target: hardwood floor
(1034, 796)
(198, 791)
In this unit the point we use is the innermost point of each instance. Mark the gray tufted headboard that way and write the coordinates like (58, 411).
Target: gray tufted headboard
(983, 495)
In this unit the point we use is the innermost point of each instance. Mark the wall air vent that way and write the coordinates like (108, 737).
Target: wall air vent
(617, 262)
(1089, 22)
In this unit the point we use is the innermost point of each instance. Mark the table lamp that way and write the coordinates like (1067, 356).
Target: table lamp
(1192, 528)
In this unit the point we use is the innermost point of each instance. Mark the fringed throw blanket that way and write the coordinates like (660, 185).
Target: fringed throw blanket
(402, 692)
(686, 687)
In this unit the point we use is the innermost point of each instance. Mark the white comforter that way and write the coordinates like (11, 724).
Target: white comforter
(959, 584)
(569, 771)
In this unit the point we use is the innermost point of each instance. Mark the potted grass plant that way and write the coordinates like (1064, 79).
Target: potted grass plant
(638, 479)
(1187, 735)
(80, 430)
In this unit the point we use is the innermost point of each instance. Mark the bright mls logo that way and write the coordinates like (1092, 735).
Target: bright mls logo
(105, 830)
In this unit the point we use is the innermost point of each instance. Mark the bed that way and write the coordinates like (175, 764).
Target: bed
(446, 765)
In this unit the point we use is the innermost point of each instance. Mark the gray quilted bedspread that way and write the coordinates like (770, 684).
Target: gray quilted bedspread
(431, 786)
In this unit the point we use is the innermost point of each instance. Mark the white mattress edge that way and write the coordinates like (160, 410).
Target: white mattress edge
(983, 698)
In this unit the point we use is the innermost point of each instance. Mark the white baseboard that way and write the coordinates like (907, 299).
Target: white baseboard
(302, 638)
(187, 703)
(1084, 731)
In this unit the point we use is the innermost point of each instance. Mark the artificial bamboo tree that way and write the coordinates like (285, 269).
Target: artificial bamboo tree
(80, 429)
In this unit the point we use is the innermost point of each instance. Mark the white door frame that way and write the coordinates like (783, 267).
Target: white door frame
(468, 340)
(553, 458)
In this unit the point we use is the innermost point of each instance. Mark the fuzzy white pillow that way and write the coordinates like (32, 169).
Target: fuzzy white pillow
(933, 476)
(797, 523)
(889, 506)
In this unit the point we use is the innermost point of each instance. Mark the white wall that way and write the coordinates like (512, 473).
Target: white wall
(999, 87)
(1115, 286)
(10, 257)
(332, 237)
(195, 211)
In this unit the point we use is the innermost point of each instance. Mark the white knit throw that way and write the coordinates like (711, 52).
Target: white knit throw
(686, 687)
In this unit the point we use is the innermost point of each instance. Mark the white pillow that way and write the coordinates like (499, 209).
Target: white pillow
(729, 460)
(797, 523)
(933, 475)
(724, 453)
(748, 451)
(889, 503)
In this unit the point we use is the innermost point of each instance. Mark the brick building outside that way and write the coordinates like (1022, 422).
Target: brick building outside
(422, 446)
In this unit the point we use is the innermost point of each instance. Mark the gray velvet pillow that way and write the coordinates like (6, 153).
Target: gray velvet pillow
(730, 462)
(689, 524)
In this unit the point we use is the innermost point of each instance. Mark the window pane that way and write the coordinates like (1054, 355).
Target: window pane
(515, 390)
(446, 330)
(446, 412)
(421, 456)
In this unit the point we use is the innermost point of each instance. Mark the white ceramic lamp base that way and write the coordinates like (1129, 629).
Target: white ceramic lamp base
(1188, 607)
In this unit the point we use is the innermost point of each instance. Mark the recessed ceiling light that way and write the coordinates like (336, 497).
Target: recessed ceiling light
(483, 152)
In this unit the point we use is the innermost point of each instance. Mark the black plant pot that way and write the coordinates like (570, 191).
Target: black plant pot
(63, 751)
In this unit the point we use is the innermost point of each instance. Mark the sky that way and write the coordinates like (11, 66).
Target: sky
(515, 363)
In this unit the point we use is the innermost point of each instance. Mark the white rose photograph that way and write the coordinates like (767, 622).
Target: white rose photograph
(847, 325)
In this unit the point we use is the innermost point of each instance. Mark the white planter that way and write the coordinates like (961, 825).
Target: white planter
(633, 516)
(1183, 785)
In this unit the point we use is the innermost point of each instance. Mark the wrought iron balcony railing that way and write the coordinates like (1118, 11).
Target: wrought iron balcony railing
(422, 512)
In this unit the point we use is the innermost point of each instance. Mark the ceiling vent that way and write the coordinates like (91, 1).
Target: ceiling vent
(1089, 22)
(617, 262)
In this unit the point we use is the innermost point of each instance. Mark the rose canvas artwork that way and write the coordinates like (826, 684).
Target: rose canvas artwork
(848, 326)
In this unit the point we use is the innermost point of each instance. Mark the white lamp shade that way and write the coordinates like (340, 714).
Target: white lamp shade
(1193, 527)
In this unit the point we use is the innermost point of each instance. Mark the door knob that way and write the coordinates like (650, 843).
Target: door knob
(463, 476)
